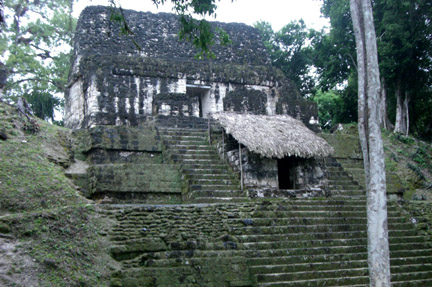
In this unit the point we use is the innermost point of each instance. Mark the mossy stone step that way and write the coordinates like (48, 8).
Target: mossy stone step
(415, 260)
(410, 268)
(228, 199)
(179, 148)
(147, 261)
(181, 132)
(303, 244)
(411, 282)
(185, 141)
(302, 267)
(191, 156)
(228, 193)
(197, 170)
(215, 181)
(177, 137)
(308, 228)
(212, 187)
(347, 187)
(330, 277)
(415, 275)
(218, 274)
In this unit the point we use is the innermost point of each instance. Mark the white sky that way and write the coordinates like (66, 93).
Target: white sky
(277, 12)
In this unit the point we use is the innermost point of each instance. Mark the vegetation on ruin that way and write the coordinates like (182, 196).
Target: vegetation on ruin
(55, 235)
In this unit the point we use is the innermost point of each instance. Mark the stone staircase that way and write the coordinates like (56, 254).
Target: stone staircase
(319, 242)
(208, 178)
(221, 237)
(342, 184)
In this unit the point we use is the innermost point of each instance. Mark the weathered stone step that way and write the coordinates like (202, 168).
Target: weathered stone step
(217, 193)
(318, 235)
(412, 268)
(263, 221)
(301, 267)
(213, 187)
(128, 248)
(414, 260)
(411, 282)
(175, 151)
(206, 275)
(330, 277)
(346, 187)
(191, 156)
(309, 228)
(216, 181)
(407, 276)
(133, 230)
(320, 211)
(113, 197)
(203, 199)
(397, 242)
(173, 258)
(197, 170)
(181, 131)
(179, 148)
(287, 220)
(332, 169)
(305, 259)
(302, 211)
(180, 136)
(346, 194)
(177, 261)
(204, 177)
(269, 258)
(340, 181)
(135, 247)
(198, 164)
(174, 141)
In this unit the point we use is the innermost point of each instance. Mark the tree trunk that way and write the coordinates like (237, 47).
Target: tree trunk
(406, 113)
(402, 113)
(382, 112)
(371, 142)
(399, 123)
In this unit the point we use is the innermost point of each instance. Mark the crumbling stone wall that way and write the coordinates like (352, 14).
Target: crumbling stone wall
(112, 82)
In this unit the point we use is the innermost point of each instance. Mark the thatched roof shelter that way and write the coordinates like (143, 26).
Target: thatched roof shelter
(274, 136)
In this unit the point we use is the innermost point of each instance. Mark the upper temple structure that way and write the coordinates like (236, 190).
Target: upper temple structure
(122, 80)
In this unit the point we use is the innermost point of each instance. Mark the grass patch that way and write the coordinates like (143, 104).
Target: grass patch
(48, 221)
(30, 178)
(66, 245)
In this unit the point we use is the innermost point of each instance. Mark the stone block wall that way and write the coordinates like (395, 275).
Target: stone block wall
(127, 164)
(114, 83)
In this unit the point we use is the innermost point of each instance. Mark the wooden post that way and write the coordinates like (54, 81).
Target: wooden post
(223, 144)
(241, 167)
(209, 133)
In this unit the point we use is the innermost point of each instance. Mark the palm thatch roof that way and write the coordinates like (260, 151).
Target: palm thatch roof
(274, 136)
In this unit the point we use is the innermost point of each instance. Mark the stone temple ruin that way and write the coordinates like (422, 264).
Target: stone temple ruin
(113, 83)
(212, 169)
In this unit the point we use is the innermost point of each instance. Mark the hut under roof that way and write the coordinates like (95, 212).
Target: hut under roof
(275, 136)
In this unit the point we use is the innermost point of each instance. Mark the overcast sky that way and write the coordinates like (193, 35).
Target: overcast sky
(277, 12)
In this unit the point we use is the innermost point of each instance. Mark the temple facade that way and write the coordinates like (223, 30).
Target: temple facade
(124, 80)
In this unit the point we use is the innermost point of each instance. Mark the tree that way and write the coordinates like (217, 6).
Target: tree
(35, 48)
(371, 142)
(290, 51)
(404, 48)
(405, 52)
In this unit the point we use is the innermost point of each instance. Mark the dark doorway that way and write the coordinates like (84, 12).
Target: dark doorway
(286, 173)
(201, 94)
